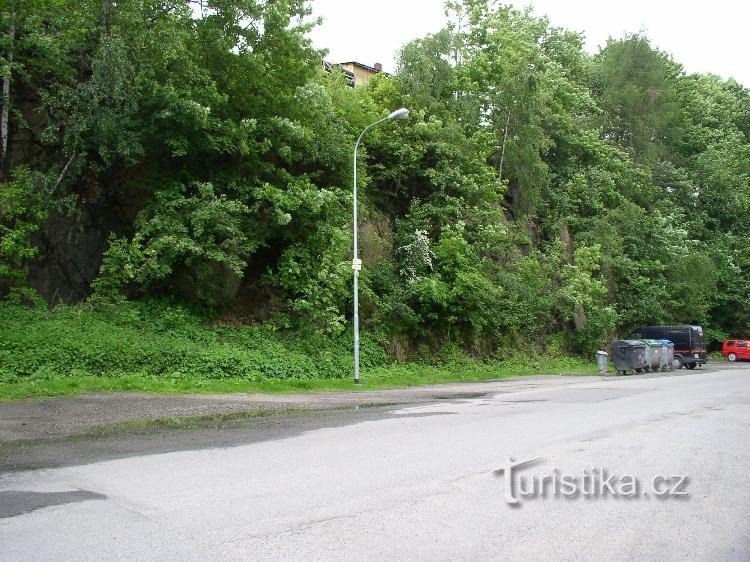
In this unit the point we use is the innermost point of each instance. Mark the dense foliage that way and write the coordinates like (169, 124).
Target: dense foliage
(157, 346)
(153, 340)
(537, 197)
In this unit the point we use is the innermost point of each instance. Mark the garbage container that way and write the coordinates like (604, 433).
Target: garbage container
(653, 354)
(667, 350)
(629, 355)
(601, 361)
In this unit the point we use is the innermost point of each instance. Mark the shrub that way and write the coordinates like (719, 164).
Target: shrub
(163, 341)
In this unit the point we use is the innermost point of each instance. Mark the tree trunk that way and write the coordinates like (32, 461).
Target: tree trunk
(502, 150)
(6, 91)
(64, 170)
(106, 7)
(579, 314)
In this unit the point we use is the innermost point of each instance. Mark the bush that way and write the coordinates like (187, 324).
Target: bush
(163, 341)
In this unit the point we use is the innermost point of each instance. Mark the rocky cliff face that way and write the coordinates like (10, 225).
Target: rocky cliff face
(71, 243)
(71, 247)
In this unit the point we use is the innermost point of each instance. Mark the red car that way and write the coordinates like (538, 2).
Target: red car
(736, 349)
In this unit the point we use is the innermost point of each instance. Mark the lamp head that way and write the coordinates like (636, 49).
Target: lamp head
(402, 113)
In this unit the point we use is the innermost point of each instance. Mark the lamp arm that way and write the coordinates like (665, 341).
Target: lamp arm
(356, 146)
(370, 126)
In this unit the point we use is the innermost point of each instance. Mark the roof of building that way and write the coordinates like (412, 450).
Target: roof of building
(361, 65)
(329, 66)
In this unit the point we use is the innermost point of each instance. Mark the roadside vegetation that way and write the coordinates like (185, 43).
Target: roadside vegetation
(165, 348)
(175, 190)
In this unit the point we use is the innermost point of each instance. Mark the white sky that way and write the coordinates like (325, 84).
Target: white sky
(705, 37)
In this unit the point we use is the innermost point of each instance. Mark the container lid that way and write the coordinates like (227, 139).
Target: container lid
(628, 343)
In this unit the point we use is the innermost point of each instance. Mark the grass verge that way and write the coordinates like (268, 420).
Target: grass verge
(389, 376)
(156, 347)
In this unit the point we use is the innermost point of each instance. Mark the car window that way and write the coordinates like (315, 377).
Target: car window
(731, 343)
(741, 344)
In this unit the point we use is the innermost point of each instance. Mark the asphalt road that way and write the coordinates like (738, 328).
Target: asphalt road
(415, 480)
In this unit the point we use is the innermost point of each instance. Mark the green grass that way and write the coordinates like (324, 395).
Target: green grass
(391, 376)
(165, 349)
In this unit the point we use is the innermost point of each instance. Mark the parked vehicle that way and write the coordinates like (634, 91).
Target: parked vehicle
(689, 343)
(736, 349)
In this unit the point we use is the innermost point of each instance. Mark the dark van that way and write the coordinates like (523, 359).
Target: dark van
(689, 342)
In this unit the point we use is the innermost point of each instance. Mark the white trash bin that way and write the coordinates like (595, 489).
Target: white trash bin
(602, 361)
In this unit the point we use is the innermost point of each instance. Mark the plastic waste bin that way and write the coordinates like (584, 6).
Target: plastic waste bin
(653, 354)
(667, 350)
(629, 355)
(602, 361)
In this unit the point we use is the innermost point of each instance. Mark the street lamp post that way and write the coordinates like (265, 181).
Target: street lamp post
(402, 113)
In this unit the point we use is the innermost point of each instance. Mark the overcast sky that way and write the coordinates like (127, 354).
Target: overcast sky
(704, 37)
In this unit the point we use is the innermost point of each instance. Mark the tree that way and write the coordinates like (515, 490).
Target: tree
(635, 86)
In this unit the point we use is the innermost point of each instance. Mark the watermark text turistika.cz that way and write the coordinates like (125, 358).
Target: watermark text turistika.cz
(591, 483)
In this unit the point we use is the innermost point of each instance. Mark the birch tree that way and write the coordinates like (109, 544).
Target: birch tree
(7, 70)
